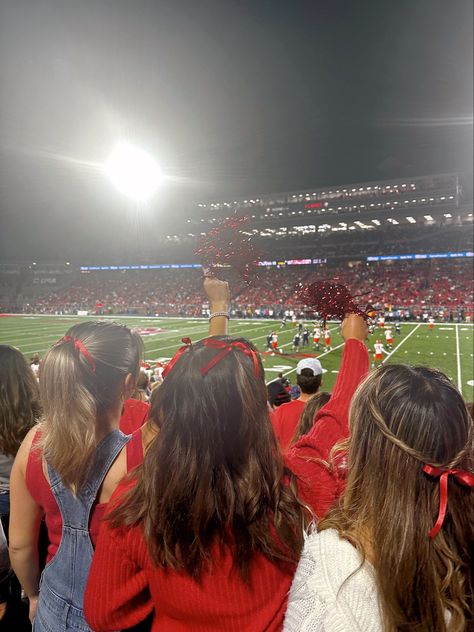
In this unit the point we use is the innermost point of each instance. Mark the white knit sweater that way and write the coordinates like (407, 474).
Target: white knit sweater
(320, 598)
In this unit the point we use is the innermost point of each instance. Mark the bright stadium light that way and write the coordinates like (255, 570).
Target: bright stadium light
(134, 172)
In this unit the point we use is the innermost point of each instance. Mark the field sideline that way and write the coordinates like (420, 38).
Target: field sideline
(448, 347)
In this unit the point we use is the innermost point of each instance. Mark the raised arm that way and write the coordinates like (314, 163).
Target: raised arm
(217, 292)
(317, 484)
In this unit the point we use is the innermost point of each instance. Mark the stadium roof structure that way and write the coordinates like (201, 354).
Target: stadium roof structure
(434, 182)
(428, 199)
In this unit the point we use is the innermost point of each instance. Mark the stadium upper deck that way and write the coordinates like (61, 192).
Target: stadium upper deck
(434, 200)
(426, 191)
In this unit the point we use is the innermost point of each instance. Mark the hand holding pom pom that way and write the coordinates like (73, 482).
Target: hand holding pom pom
(331, 300)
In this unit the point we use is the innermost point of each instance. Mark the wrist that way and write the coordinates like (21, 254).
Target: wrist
(223, 314)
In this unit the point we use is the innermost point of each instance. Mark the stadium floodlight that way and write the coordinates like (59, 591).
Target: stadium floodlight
(448, 215)
(412, 220)
(428, 218)
(134, 172)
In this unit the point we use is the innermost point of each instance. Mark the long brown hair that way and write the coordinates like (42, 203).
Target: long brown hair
(77, 390)
(214, 475)
(401, 418)
(20, 407)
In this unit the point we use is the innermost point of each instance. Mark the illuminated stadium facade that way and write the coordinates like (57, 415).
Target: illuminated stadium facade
(312, 223)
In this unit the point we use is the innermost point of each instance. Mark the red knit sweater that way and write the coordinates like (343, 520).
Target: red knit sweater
(285, 420)
(124, 586)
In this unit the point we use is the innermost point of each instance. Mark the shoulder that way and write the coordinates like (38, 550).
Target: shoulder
(26, 447)
(325, 552)
(290, 407)
(124, 487)
(333, 585)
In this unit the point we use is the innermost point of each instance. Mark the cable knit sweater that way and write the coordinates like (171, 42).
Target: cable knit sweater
(325, 597)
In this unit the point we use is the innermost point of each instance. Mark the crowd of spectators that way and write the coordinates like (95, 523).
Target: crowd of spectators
(417, 286)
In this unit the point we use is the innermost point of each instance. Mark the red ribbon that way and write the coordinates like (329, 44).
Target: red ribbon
(463, 477)
(80, 347)
(177, 355)
(226, 348)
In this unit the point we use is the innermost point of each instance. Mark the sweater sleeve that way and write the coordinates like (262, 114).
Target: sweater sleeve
(317, 485)
(117, 594)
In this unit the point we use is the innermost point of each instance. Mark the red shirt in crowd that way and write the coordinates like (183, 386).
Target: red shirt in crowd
(124, 585)
(285, 420)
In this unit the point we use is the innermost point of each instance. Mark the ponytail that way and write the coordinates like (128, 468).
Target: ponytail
(81, 381)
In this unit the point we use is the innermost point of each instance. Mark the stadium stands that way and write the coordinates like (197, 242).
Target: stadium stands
(338, 228)
(418, 286)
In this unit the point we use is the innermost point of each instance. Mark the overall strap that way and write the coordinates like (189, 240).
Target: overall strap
(75, 510)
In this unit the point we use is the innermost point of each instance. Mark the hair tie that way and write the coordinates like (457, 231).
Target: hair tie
(463, 477)
(80, 347)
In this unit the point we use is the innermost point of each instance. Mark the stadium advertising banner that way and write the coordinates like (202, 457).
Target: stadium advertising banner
(286, 262)
(435, 255)
(163, 266)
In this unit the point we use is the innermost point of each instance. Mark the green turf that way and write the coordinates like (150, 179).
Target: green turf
(448, 347)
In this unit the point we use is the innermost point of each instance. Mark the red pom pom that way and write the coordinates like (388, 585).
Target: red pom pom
(228, 245)
(331, 300)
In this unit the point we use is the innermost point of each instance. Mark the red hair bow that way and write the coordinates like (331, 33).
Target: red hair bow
(177, 355)
(80, 347)
(463, 477)
(226, 348)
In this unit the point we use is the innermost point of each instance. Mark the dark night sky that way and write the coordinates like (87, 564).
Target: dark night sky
(233, 97)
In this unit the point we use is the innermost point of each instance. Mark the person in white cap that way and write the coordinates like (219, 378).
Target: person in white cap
(285, 418)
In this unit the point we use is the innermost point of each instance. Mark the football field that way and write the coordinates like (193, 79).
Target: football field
(449, 346)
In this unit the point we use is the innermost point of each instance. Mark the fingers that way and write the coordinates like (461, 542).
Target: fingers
(354, 326)
(208, 273)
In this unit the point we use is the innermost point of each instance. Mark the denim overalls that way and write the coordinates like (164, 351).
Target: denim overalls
(63, 582)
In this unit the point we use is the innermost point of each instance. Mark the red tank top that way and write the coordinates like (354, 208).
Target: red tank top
(40, 491)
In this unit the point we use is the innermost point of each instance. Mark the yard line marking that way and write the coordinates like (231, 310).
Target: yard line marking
(458, 356)
(320, 356)
(400, 344)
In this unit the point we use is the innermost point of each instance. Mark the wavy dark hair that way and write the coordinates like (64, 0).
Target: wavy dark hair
(312, 406)
(401, 418)
(20, 405)
(214, 475)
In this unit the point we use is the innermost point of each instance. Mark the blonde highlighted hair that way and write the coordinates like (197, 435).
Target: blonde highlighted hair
(401, 418)
(78, 390)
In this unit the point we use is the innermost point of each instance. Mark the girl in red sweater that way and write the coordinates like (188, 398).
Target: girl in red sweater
(208, 530)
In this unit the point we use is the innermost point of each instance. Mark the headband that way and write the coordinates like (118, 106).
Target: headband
(463, 477)
(80, 347)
